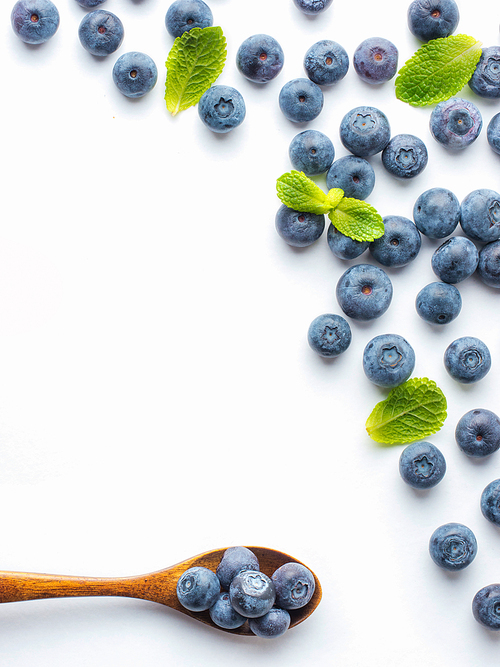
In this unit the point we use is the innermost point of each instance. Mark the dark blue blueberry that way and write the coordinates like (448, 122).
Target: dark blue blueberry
(326, 62)
(135, 74)
(365, 131)
(480, 215)
(436, 213)
(273, 624)
(329, 335)
(422, 465)
(34, 21)
(364, 292)
(343, 246)
(101, 32)
(184, 15)
(399, 244)
(486, 606)
(453, 546)
(388, 360)
(198, 588)
(455, 260)
(252, 593)
(438, 303)
(234, 560)
(312, 7)
(312, 152)
(467, 359)
(90, 4)
(485, 81)
(375, 60)
(354, 175)
(301, 100)
(490, 502)
(493, 133)
(455, 123)
(260, 58)
(222, 108)
(405, 156)
(488, 267)
(294, 585)
(478, 433)
(430, 19)
(298, 229)
(223, 614)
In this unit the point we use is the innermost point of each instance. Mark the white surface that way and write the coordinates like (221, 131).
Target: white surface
(157, 394)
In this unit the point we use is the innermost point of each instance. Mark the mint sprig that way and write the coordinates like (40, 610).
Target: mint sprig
(414, 410)
(194, 62)
(352, 217)
(438, 70)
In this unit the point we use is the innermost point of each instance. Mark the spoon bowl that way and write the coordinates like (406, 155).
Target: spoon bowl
(160, 586)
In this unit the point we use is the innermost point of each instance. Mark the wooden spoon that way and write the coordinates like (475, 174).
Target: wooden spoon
(158, 586)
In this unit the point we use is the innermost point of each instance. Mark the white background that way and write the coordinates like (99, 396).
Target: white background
(158, 397)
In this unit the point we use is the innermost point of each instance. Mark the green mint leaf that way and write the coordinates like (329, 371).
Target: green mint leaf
(414, 410)
(194, 62)
(298, 191)
(357, 219)
(438, 70)
(334, 197)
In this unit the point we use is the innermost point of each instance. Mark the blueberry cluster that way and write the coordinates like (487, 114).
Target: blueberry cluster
(238, 592)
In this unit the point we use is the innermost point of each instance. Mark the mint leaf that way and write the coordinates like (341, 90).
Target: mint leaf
(414, 410)
(298, 191)
(438, 70)
(357, 219)
(194, 62)
(334, 197)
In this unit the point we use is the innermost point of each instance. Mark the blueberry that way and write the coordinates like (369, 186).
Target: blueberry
(480, 215)
(273, 624)
(399, 244)
(312, 7)
(436, 213)
(198, 588)
(354, 175)
(364, 292)
(388, 360)
(430, 19)
(438, 303)
(490, 502)
(478, 433)
(486, 606)
(493, 133)
(34, 21)
(312, 152)
(184, 15)
(223, 614)
(298, 229)
(234, 560)
(252, 593)
(90, 4)
(422, 465)
(301, 100)
(326, 62)
(467, 359)
(222, 108)
(455, 123)
(485, 81)
(488, 267)
(453, 546)
(343, 246)
(365, 131)
(294, 585)
(455, 260)
(405, 156)
(329, 335)
(135, 74)
(260, 58)
(101, 32)
(375, 60)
